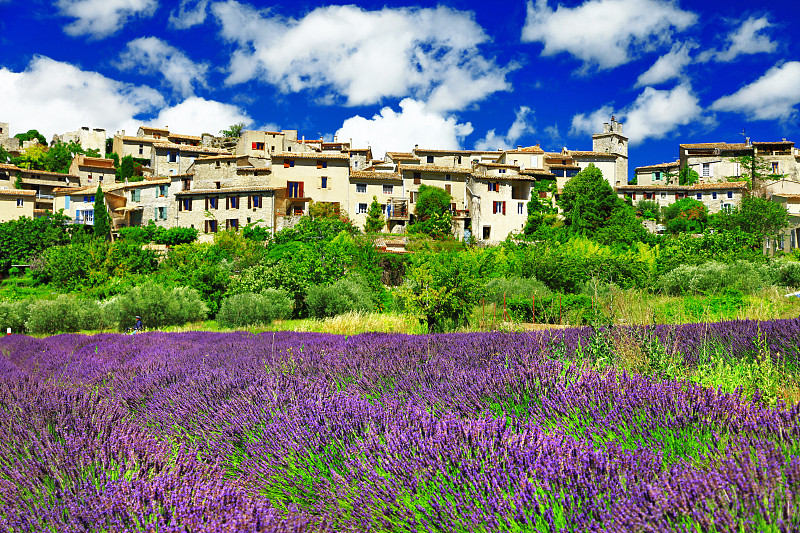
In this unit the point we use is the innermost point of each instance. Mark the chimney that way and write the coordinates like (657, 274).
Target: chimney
(519, 147)
(335, 138)
(416, 147)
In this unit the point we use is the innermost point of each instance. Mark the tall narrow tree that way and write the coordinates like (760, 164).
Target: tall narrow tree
(102, 220)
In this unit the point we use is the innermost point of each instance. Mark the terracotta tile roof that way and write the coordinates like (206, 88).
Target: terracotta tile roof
(711, 146)
(660, 165)
(140, 139)
(16, 192)
(37, 172)
(446, 152)
(48, 183)
(674, 188)
(719, 185)
(374, 175)
(504, 177)
(153, 128)
(310, 155)
(180, 136)
(217, 157)
(563, 167)
(91, 188)
(784, 142)
(361, 149)
(402, 156)
(148, 182)
(787, 196)
(41, 211)
(189, 148)
(96, 162)
(226, 190)
(537, 172)
(435, 168)
(590, 153)
(526, 150)
(498, 165)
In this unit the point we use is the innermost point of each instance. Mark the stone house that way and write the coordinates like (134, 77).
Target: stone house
(11, 144)
(212, 210)
(92, 170)
(266, 143)
(321, 176)
(790, 239)
(452, 179)
(360, 158)
(611, 142)
(42, 182)
(78, 203)
(384, 184)
(660, 174)
(94, 138)
(15, 203)
(715, 196)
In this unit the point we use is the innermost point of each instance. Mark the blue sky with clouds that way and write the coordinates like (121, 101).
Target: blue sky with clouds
(453, 74)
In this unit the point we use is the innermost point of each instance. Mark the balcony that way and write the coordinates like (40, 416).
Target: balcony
(397, 209)
(460, 213)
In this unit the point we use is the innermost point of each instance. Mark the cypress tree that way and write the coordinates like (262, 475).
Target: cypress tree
(102, 220)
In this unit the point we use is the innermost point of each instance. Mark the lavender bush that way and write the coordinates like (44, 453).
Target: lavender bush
(387, 432)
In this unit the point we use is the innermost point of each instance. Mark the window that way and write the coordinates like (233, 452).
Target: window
(657, 175)
(84, 216)
(217, 163)
(458, 159)
(185, 204)
(417, 178)
(232, 202)
(161, 213)
(89, 178)
(162, 190)
(414, 195)
(502, 171)
(448, 188)
(321, 163)
(714, 195)
(730, 194)
(447, 177)
(663, 195)
(323, 182)
(520, 208)
(699, 196)
(20, 203)
(66, 202)
(361, 187)
(774, 169)
(212, 202)
(258, 146)
(493, 186)
(362, 208)
(173, 156)
(294, 189)
(287, 163)
(136, 195)
(429, 159)
(254, 201)
(487, 231)
(232, 223)
(499, 208)
(706, 170)
(211, 226)
(141, 149)
(388, 189)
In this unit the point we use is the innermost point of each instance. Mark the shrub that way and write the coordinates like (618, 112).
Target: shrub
(789, 274)
(343, 296)
(575, 309)
(14, 315)
(514, 287)
(249, 308)
(65, 314)
(714, 277)
(157, 306)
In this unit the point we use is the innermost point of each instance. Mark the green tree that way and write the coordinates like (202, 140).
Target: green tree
(31, 158)
(686, 216)
(375, 222)
(648, 210)
(441, 289)
(126, 168)
(541, 213)
(234, 130)
(102, 220)
(324, 209)
(5, 157)
(31, 135)
(688, 176)
(588, 201)
(58, 157)
(23, 239)
(758, 218)
(432, 213)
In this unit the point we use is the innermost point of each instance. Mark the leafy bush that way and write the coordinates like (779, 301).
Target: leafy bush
(345, 295)
(514, 287)
(14, 315)
(73, 266)
(714, 277)
(157, 306)
(158, 235)
(65, 314)
(576, 309)
(789, 273)
(248, 308)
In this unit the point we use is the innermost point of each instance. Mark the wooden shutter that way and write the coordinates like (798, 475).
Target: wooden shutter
(206, 208)
(286, 163)
(180, 204)
(249, 201)
(255, 146)
(504, 207)
(319, 163)
(448, 188)
(301, 190)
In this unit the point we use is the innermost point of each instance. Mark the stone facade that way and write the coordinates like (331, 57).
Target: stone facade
(88, 138)
(715, 196)
(43, 183)
(15, 204)
(306, 175)
(212, 210)
(613, 142)
(92, 170)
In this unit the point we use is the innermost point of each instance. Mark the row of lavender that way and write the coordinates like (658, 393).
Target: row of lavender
(313, 432)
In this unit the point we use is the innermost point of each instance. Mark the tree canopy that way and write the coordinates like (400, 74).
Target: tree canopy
(102, 220)
(758, 218)
(375, 222)
(588, 201)
(235, 130)
(433, 212)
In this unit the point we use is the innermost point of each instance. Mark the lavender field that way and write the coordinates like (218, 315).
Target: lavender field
(546, 431)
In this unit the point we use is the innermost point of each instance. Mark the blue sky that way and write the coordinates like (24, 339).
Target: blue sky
(454, 74)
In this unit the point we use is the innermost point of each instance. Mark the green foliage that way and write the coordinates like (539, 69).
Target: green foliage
(432, 213)
(157, 234)
(126, 168)
(687, 215)
(348, 294)
(588, 201)
(202, 266)
(758, 218)
(5, 157)
(102, 220)
(575, 309)
(256, 233)
(124, 259)
(375, 222)
(31, 135)
(25, 238)
(688, 176)
(623, 227)
(441, 289)
(514, 288)
(157, 306)
(235, 130)
(714, 277)
(58, 157)
(65, 314)
(14, 315)
(247, 309)
(752, 167)
(325, 210)
(18, 182)
(541, 214)
(648, 210)
(310, 230)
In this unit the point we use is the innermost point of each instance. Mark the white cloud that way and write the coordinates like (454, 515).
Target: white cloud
(429, 54)
(656, 113)
(667, 67)
(56, 97)
(520, 127)
(152, 55)
(745, 40)
(773, 96)
(653, 115)
(587, 124)
(606, 33)
(414, 124)
(189, 14)
(195, 116)
(101, 18)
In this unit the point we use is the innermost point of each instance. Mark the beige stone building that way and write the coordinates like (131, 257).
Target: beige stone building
(715, 196)
(306, 176)
(385, 185)
(611, 142)
(231, 208)
(88, 138)
(266, 143)
(43, 183)
(15, 204)
(92, 170)
(660, 174)
(790, 239)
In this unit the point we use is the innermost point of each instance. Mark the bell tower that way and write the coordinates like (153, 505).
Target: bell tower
(612, 141)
